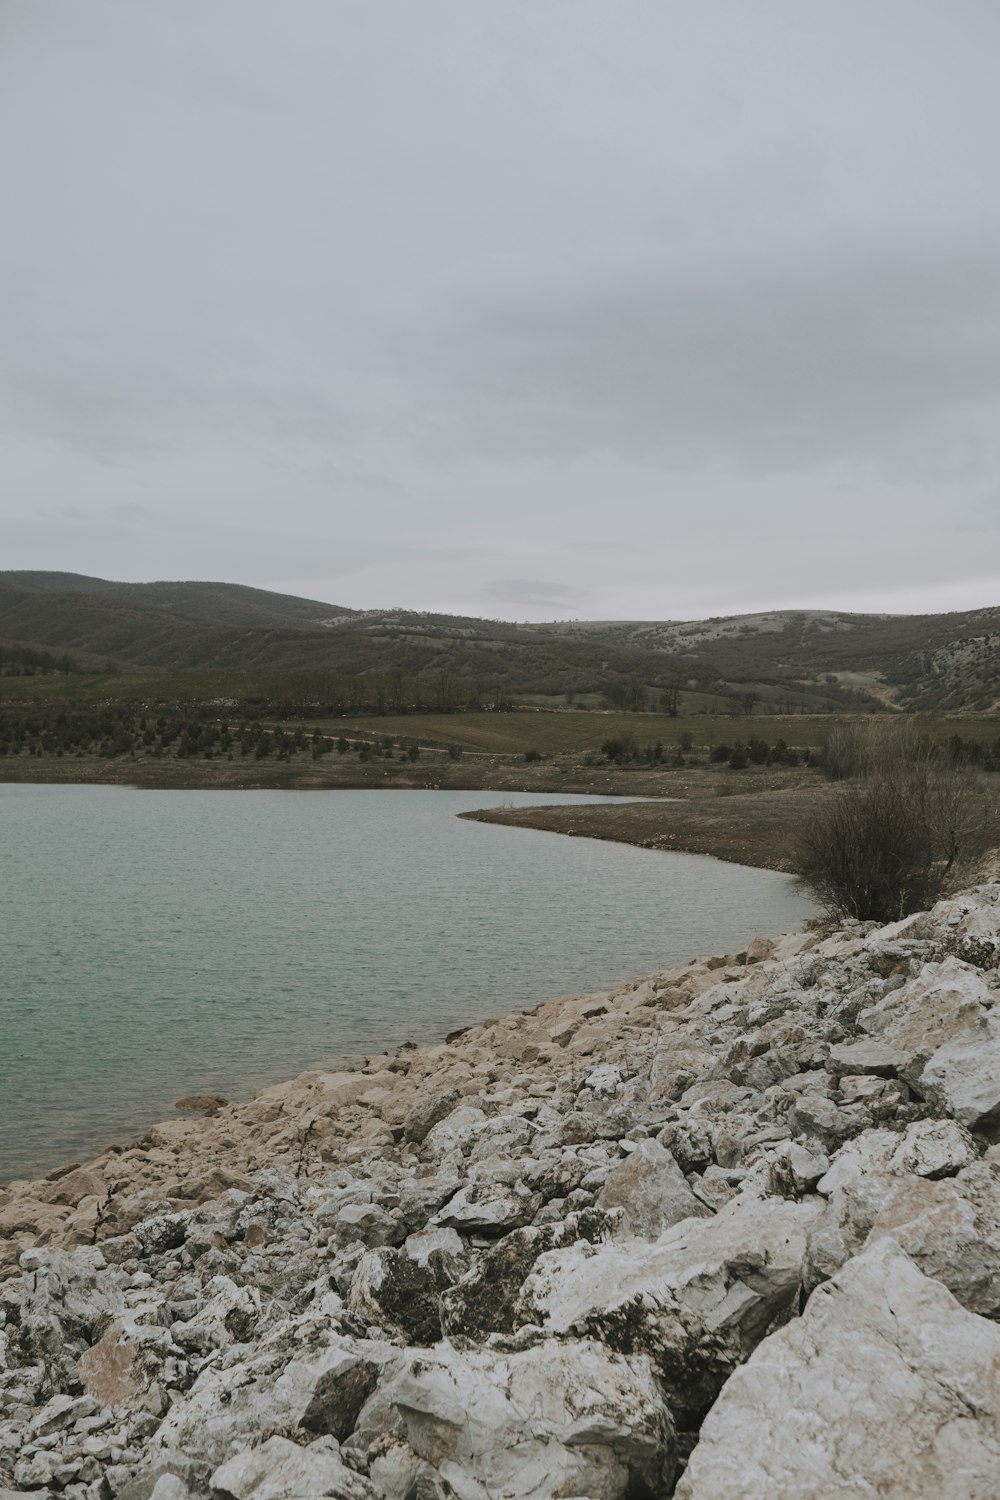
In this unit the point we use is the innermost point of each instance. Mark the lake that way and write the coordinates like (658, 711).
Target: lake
(159, 943)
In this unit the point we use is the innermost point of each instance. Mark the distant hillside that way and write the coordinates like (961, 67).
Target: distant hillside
(781, 661)
(948, 661)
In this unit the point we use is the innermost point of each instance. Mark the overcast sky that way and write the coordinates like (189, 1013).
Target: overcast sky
(524, 308)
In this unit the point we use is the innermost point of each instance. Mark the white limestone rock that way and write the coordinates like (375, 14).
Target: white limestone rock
(651, 1190)
(963, 1076)
(563, 1417)
(697, 1300)
(488, 1208)
(951, 1230)
(68, 1299)
(399, 1295)
(885, 1386)
(456, 1132)
(933, 1148)
(281, 1470)
(794, 1169)
(229, 1316)
(301, 1376)
(944, 1000)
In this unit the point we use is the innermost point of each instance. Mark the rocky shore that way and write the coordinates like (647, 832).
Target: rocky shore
(724, 1232)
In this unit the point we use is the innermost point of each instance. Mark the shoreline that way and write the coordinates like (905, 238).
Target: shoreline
(697, 811)
(619, 1198)
(131, 1123)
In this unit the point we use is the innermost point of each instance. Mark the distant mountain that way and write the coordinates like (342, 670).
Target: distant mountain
(781, 660)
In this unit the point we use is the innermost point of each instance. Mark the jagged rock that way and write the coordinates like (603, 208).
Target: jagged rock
(282, 1386)
(690, 1143)
(651, 1190)
(934, 1148)
(861, 1178)
(420, 1197)
(201, 1104)
(70, 1187)
(606, 1079)
(399, 1295)
(794, 1169)
(485, 1301)
(950, 1229)
(696, 1300)
(821, 1121)
(365, 1224)
(554, 1418)
(869, 1055)
(67, 1302)
(881, 1097)
(914, 1021)
(444, 1242)
(426, 1113)
(676, 1065)
(963, 1077)
(884, 1386)
(488, 1209)
(456, 1132)
(121, 1368)
(167, 1481)
(160, 1232)
(228, 1317)
(281, 1470)
(977, 937)
(169, 1487)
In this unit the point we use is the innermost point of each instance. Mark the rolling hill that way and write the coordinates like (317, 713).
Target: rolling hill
(787, 660)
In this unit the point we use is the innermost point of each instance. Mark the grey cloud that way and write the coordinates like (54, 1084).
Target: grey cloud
(536, 594)
(410, 297)
(787, 367)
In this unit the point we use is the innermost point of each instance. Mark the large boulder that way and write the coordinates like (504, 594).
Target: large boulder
(950, 1229)
(963, 1077)
(67, 1299)
(301, 1376)
(396, 1293)
(551, 1418)
(697, 1300)
(885, 1386)
(486, 1299)
(912, 1022)
(650, 1190)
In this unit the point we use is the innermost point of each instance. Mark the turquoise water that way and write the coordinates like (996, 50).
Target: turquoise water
(154, 944)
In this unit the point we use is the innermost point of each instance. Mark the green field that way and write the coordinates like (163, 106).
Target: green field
(570, 731)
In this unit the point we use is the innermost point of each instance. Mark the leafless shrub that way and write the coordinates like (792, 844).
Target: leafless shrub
(904, 827)
(860, 747)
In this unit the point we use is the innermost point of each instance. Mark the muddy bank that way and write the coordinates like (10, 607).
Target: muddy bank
(750, 828)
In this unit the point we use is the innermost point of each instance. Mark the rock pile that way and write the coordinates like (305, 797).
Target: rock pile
(727, 1231)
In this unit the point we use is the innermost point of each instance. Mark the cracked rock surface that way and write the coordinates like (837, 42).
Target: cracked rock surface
(726, 1231)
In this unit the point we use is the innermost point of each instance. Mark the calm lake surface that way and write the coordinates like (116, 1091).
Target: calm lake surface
(154, 944)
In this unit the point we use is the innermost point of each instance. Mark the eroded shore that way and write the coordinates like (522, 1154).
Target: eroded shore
(592, 1251)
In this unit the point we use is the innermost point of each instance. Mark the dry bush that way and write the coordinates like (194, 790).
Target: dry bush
(905, 826)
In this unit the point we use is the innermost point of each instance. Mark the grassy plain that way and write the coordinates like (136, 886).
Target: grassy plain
(581, 731)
